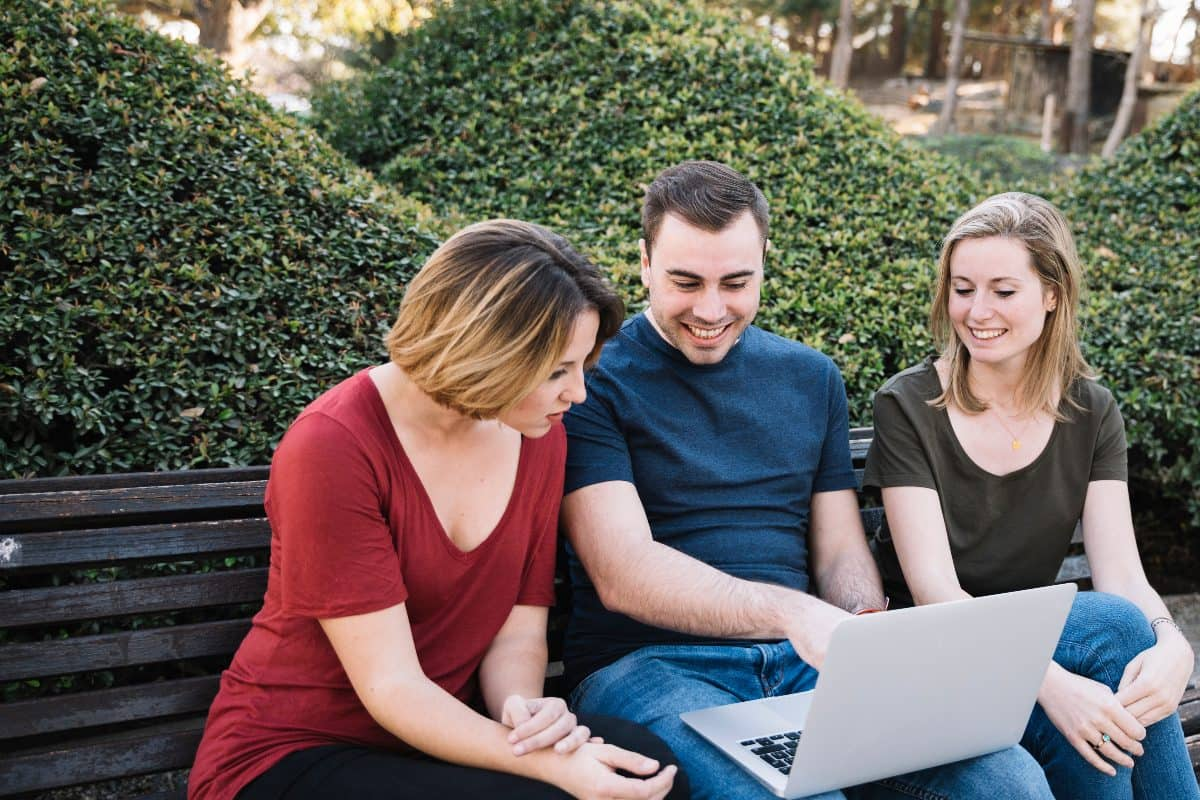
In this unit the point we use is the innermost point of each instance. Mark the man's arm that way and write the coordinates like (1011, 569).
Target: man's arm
(842, 566)
(658, 585)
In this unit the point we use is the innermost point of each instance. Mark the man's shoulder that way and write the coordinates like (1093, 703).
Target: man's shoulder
(766, 345)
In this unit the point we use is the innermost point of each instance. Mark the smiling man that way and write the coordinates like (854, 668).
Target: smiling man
(708, 476)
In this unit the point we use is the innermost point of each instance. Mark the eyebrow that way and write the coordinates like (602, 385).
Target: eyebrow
(683, 273)
(993, 280)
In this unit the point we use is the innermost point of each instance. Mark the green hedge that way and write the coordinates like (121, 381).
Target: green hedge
(182, 268)
(1137, 217)
(560, 112)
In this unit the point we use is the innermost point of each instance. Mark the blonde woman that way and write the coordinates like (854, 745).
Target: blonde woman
(988, 455)
(401, 647)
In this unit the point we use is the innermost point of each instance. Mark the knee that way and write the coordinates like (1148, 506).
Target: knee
(1110, 625)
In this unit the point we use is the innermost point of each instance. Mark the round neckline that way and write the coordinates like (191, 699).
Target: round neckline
(944, 418)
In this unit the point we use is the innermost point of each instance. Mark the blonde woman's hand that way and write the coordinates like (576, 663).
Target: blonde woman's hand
(1156, 678)
(1088, 714)
(542, 722)
(590, 773)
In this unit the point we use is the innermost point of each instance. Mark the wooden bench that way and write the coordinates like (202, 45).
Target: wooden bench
(112, 642)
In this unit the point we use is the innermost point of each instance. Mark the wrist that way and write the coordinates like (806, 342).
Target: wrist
(858, 612)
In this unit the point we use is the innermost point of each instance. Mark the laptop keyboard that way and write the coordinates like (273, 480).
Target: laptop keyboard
(777, 751)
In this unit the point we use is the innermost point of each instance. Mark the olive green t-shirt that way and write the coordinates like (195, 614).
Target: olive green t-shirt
(1006, 532)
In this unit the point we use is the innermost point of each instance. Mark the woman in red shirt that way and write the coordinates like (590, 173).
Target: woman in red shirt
(401, 647)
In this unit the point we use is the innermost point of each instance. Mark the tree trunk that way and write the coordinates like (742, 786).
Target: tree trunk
(1133, 74)
(898, 43)
(933, 58)
(1047, 20)
(843, 46)
(1079, 77)
(945, 120)
(226, 24)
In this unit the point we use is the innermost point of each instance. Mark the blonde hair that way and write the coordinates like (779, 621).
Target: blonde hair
(1055, 360)
(491, 312)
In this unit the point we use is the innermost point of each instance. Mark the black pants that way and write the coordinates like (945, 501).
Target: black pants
(351, 772)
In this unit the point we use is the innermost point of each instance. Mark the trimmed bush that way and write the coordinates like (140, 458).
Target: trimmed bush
(1137, 217)
(561, 111)
(182, 268)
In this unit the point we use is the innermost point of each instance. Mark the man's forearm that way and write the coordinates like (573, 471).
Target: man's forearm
(851, 582)
(669, 589)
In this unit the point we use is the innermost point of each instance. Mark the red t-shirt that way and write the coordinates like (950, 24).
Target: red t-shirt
(352, 531)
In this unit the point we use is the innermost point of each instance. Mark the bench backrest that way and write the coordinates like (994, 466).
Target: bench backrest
(99, 588)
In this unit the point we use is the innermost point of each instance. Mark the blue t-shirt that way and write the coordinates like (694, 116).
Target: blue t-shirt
(725, 458)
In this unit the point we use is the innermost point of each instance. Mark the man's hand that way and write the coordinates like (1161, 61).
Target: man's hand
(541, 722)
(811, 631)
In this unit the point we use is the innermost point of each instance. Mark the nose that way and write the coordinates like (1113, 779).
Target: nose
(575, 391)
(981, 308)
(710, 306)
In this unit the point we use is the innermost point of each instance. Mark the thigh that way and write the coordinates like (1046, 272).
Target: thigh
(655, 685)
(341, 771)
(1010, 774)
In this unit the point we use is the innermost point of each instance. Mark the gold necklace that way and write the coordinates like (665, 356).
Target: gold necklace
(1016, 440)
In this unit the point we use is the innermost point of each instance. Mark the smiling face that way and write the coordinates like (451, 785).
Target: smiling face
(704, 286)
(534, 415)
(997, 304)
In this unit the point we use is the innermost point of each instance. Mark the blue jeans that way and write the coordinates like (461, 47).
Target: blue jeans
(656, 684)
(1103, 633)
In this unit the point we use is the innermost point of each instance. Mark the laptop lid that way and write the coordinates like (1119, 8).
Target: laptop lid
(919, 687)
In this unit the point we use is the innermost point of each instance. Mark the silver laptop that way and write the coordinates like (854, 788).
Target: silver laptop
(900, 691)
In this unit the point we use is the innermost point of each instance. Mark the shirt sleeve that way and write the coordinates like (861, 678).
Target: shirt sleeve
(1109, 456)
(537, 581)
(596, 447)
(836, 470)
(896, 456)
(336, 553)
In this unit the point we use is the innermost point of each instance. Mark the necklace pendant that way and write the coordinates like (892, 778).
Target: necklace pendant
(1016, 444)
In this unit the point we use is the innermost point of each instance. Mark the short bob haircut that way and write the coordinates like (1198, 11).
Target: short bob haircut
(705, 194)
(1055, 360)
(490, 314)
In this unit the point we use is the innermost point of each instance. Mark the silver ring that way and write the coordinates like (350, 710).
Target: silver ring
(1104, 739)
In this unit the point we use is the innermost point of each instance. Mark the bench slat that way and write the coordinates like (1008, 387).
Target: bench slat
(64, 656)
(71, 712)
(124, 480)
(26, 511)
(78, 548)
(139, 596)
(1189, 710)
(171, 745)
(1073, 568)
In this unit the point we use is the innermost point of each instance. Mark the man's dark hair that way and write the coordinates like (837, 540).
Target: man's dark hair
(705, 194)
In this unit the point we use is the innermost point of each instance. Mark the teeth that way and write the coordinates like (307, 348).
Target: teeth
(706, 333)
(990, 334)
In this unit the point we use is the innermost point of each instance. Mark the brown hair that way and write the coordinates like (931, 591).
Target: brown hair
(491, 312)
(705, 194)
(1055, 360)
